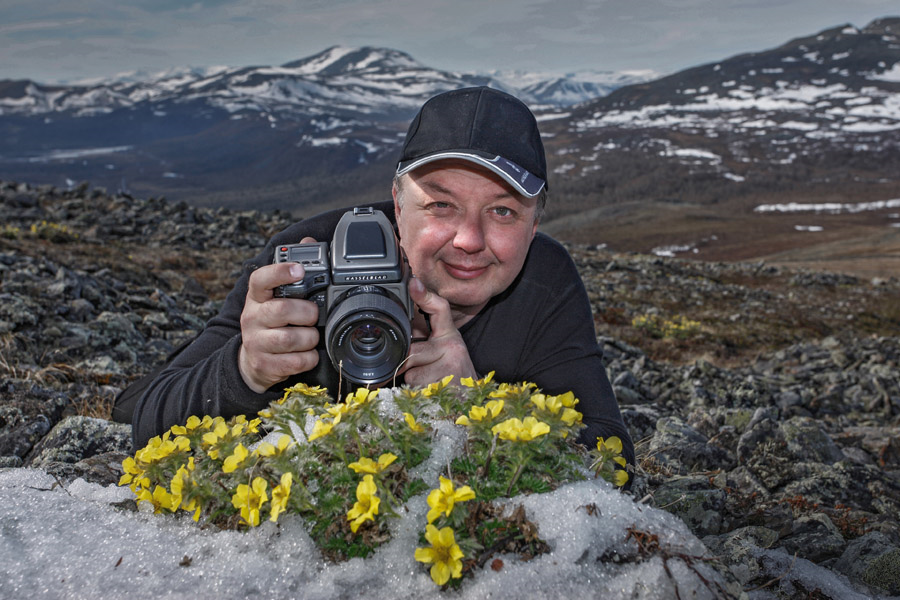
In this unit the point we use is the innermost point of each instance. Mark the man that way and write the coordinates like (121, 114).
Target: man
(468, 196)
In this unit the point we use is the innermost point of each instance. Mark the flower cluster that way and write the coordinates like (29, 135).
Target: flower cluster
(678, 326)
(53, 232)
(345, 467)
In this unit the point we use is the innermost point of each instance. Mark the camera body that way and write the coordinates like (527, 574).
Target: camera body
(360, 283)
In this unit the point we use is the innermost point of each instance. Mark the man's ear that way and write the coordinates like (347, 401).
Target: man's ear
(395, 193)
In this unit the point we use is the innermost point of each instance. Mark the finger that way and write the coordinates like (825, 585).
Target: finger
(308, 240)
(265, 279)
(280, 312)
(438, 309)
(262, 371)
(285, 340)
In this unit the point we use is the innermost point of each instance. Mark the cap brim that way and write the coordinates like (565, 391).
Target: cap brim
(524, 182)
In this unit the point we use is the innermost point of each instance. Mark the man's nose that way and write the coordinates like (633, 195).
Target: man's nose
(469, 235)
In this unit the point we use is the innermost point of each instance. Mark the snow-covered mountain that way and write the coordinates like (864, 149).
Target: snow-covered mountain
(339, 79)
(837, 91)
(325, 130)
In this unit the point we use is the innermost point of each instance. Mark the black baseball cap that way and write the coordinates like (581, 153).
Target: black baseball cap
(482, 125)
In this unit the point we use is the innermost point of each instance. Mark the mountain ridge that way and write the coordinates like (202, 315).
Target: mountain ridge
(679, 161)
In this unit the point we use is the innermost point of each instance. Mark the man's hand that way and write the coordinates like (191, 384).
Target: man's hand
(444, 352)
(278, 335)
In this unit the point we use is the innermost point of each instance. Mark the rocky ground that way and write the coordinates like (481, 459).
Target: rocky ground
(764, 401)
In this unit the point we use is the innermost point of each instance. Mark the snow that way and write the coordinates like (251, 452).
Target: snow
(818, 106)
(69, 542)
(829, 207)
(892, 74)
(78, 153)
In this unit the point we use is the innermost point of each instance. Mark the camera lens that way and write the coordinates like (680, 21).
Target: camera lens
(367, 340)
(367, 335)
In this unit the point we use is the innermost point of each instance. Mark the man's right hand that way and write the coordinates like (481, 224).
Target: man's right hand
(278, 335)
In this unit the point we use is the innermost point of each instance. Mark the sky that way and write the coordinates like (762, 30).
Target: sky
(58, 41)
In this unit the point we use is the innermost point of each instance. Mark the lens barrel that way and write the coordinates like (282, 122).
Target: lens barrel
(367, 335)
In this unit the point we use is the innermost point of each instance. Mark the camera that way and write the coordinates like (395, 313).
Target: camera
(361, 288)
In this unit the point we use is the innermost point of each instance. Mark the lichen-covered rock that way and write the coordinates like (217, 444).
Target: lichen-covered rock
(735, 549)
(27, 413)
(682, 449)
(814, 537)
(695, 501)
(83, 447)
(875, 559)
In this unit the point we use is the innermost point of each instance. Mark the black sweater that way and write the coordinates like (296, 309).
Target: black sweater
(540, 329)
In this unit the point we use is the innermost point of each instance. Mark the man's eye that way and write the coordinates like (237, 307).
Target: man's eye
(502, 211)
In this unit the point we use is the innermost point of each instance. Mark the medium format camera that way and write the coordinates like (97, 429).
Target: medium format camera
(361, 289)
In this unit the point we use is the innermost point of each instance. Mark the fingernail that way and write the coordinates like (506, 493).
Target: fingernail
(419, 286)
(296, 271)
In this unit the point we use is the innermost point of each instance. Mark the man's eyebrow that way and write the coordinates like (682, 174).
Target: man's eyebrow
(435, 187)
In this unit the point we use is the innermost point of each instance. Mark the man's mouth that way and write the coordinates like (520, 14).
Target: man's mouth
(464, 271)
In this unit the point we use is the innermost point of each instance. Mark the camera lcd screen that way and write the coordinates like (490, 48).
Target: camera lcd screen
(301, 253)
(364, 240)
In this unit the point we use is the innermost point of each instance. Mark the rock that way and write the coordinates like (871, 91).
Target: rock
(83, 447)
(27, 413)
(795, 449)
(814, 537)
(681, 449)
(735, 549)
(873, 559)
(695, 501)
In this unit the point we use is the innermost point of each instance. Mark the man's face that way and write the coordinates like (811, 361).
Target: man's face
(465, 231)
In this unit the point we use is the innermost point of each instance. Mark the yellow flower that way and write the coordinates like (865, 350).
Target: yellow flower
(266, 449)
(445, 497)
(568, 399)
(613, 444)
(131, 471)
(323, 427)
(610, 450)
(521, 431)
(280, 495)
(366, 506)
(306, 390)
(161, 498)
(444, 554)
(234, 461)
(551, 404)
(570, 416)
(160, 447)
(193, 423)
(361, 396)
(470, 382)
(249, 499)
(413, 424)
(211, 438)
(479, 413)
(435, 388)
(178, 485)
(339, 409)
(367, 465)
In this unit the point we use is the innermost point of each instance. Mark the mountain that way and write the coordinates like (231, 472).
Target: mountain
(697, 163)
(709, 160)
(312, 131)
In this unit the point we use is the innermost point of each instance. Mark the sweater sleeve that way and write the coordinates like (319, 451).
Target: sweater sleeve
(204, 378)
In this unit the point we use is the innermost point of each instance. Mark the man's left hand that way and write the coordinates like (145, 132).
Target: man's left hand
(444, 352)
